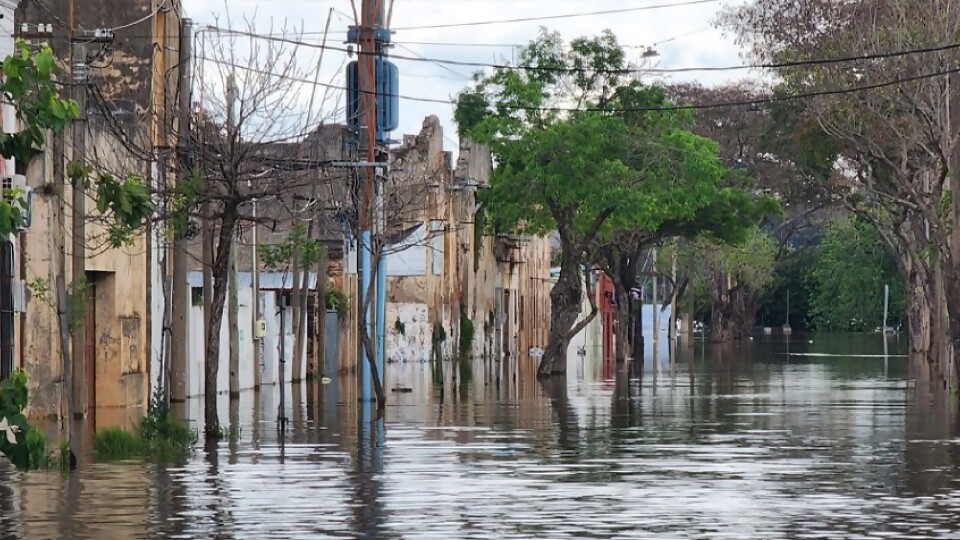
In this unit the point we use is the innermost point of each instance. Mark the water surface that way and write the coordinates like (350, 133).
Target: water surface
(765, 440)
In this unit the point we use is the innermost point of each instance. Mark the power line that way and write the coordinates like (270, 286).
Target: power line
(518, 45)
(622, 71)
(691, 106)
(540, 18)
(562, 16)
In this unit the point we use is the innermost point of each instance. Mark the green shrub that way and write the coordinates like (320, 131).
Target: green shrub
(117, 443)
(28, 448)
(159, 435)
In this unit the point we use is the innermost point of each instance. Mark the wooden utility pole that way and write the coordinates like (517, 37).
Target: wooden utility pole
(367, 78)
(181, 289)
(78, 227)
(233, 313)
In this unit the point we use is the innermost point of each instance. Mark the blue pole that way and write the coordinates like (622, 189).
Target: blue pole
(381, 313)
(365, 279)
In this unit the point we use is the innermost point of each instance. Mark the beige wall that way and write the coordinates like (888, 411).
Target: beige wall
(137, 91)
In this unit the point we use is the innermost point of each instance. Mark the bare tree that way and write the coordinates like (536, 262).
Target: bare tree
(885, 128)
(253, 139)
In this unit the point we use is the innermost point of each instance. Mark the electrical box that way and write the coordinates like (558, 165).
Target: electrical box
(260, 331)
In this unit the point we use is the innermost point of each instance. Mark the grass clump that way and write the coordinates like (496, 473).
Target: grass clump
(158, 435)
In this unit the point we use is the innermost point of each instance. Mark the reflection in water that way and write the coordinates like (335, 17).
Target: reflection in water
(764, 440)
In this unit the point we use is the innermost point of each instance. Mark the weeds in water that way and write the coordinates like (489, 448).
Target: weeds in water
(117, 443)
(159, 435)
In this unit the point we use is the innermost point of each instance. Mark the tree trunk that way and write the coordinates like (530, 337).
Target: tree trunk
(296, 375)
(624, 320)
(744, 312)
(212, 356)
(721, 309)
(320, 341)
(565, 308)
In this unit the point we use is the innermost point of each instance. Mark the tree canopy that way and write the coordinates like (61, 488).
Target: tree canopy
(584, 148)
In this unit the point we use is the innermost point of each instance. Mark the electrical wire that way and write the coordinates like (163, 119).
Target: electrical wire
(561, 16)
(691, 106)
(774, 65)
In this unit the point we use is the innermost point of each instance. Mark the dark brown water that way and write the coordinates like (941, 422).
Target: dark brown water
(737, 442)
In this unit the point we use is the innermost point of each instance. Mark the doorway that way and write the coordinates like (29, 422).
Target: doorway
(90, 349)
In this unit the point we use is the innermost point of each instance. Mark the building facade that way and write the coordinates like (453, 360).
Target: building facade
(116, 304)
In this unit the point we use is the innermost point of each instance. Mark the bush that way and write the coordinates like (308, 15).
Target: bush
(24, 445)
(116, 443)
(159, 435)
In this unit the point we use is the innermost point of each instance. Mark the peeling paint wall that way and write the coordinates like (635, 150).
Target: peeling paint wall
(502, 285)
(120, 116)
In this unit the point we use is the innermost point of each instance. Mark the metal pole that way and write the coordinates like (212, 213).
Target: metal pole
(282, 414)
(181, 289)
(886, 305)
(255, 285)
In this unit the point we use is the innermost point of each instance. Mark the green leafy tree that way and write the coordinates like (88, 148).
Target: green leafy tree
(586, 151)
(848, 277)
(557, 170)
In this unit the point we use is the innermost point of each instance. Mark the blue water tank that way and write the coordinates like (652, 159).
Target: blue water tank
(388, 97)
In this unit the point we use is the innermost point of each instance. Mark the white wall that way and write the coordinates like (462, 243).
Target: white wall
(271, 345)
(416, 341)
(590, 339)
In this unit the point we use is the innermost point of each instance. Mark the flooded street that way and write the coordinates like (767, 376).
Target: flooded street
(724, 442)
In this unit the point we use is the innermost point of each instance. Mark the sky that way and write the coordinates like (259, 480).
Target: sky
(683, 35)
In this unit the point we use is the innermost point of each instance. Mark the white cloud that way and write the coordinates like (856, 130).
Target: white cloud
(684, 37)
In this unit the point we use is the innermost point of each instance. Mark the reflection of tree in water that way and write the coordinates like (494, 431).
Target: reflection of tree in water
(218, 501)
(930, 461)
(565, 418)
(165, 505)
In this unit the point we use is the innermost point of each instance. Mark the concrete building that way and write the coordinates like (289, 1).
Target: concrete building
(442, 267)
(128, 114)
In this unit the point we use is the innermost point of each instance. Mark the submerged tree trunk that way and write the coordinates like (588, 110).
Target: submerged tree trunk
(565, 308)
(744, 312)
(212, 356)
(624, 320)
(721, 309)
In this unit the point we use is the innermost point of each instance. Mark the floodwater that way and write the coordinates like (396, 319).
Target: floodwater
(722, 442)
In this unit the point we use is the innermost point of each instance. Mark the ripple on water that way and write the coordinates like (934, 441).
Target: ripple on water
(772, 452)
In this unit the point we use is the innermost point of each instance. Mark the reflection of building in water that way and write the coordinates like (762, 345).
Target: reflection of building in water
(86, 504)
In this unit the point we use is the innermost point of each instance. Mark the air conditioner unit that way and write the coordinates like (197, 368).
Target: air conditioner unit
(17, 184)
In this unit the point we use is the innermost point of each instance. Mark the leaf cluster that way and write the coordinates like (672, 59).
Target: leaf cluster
(603, 170)
(28, 452)
(308, 250)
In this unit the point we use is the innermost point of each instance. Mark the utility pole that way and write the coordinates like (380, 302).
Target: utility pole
(233, 315)
(370, 17)
(372, 108)
(79, 229)
(181, 292)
